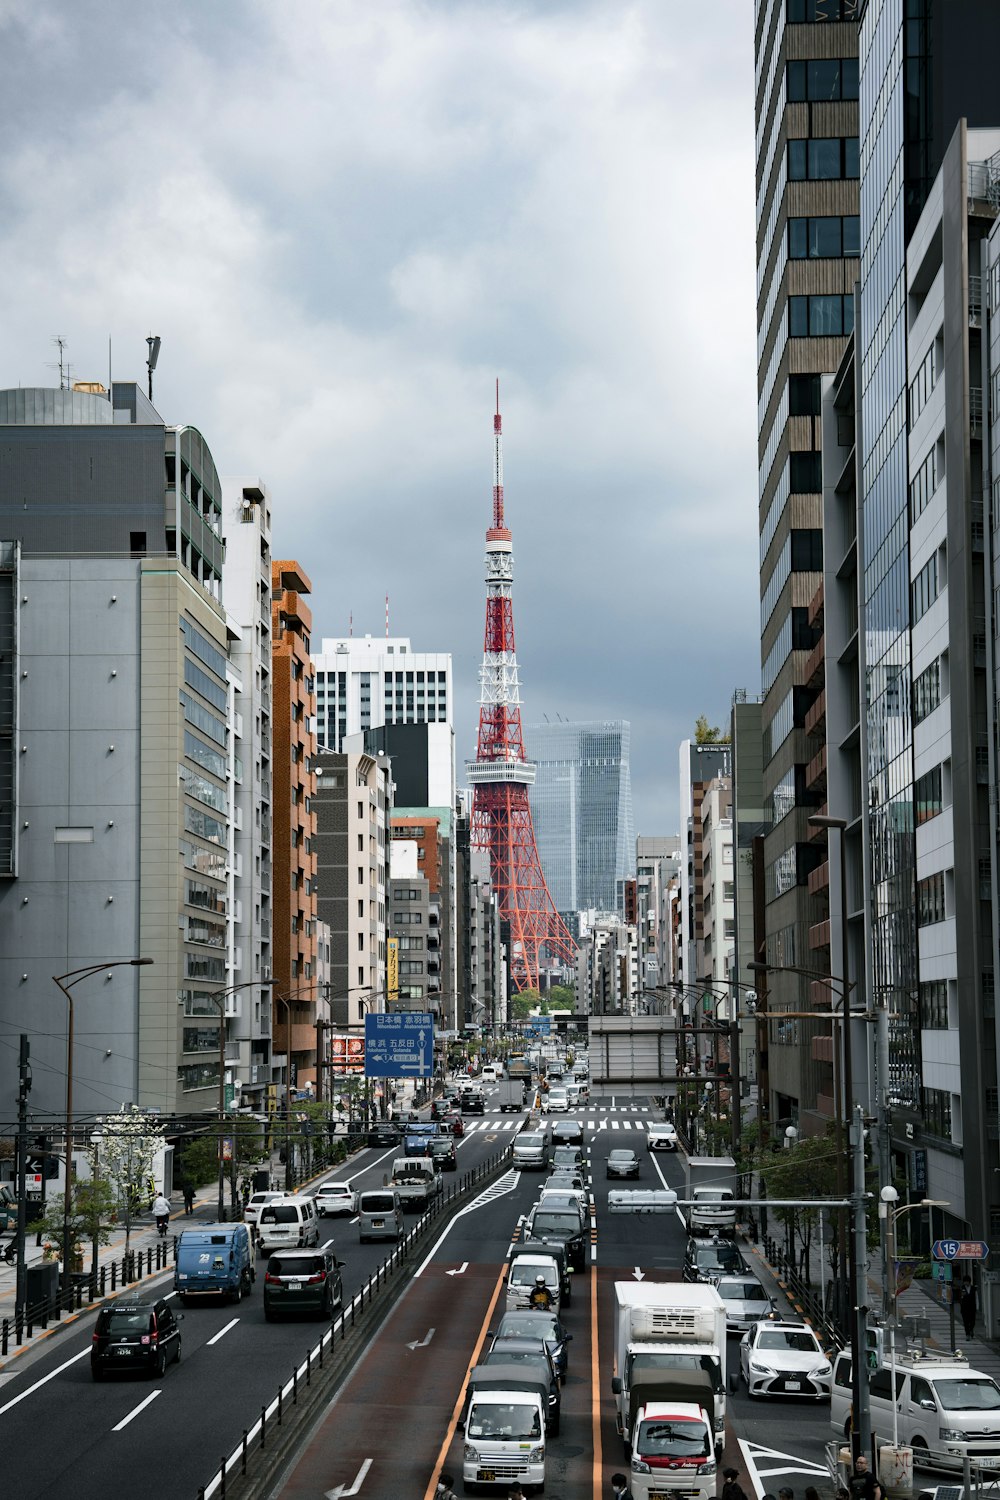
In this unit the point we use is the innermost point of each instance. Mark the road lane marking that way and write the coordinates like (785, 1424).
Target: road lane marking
(141, 1407)
(223, 1331)
(422, 1343)
(595, 1386)
(359, 1479)
(457, 1412)
(499, 1189)
(44, 1381)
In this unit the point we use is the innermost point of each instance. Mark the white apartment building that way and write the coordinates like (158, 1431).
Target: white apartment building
(718, 923)
(247, 597)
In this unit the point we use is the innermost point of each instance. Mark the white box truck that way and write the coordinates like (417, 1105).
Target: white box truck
(666, 1327)
(710, 1181)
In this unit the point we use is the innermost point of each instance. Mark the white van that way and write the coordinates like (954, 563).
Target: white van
(287, 1223)
(504, 1440)
(490, 1074)
(531, 1149)
(946, 1410)
(521, 1277)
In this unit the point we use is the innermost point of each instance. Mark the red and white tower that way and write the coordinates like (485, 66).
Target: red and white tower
(500, 775)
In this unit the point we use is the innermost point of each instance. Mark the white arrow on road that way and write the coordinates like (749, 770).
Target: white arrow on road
(462, 1268)
(639, 1274)
(422, 1343)
(359, 1479)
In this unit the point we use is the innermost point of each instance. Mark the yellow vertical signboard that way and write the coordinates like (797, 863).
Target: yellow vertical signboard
(392, 969)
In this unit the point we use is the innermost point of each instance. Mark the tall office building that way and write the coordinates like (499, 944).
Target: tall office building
(118, 821)
(581, 806)
(365, 682)
(807, 264)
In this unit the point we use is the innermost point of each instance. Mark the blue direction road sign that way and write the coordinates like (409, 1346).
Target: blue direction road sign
(400, 1045)
(960, 1250)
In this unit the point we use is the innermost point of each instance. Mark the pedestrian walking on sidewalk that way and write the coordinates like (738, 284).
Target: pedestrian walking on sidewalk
(967, 1304)
(188, 1191)
(161, 1213)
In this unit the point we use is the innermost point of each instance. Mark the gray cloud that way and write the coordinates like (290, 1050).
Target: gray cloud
(344, 220)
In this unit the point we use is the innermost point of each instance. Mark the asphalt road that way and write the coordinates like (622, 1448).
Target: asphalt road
(393, 1422)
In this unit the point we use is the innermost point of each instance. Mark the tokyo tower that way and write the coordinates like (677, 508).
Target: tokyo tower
(500, 775)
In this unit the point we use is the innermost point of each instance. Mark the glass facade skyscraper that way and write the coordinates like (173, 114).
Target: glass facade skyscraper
(581, 807)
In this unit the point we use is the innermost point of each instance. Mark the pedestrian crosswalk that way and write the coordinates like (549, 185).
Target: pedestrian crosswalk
(606, 1121)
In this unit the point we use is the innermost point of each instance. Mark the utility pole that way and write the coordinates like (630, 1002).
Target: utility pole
(861, 1428)
(23, 1090)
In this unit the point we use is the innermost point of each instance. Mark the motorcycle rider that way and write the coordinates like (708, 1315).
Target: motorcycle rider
(540, 1298)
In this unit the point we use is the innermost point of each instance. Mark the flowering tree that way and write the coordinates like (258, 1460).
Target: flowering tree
(130, 1142)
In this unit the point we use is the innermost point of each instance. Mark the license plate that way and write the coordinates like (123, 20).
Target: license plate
(793, 1385)
(123, 1351)
(486, 1476)
(295, 1286)
(378, 1223)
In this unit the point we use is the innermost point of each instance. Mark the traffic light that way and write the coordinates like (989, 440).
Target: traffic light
(43, 1161)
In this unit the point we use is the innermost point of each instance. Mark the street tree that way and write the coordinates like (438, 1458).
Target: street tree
(92, 1213)
(130, 1142)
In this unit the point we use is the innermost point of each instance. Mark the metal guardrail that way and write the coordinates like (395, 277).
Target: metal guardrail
(86, 1288)
(250, 1468)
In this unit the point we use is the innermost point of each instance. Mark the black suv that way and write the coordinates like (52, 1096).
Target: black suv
(442, 1150)
(473, 1102)
(303, 1281)
(558, 1226)
(567, 1133)
(135, 1333)
(704, 1259)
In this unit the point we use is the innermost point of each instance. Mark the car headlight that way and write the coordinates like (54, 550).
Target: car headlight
(471, 1454)
(536, 1456)
(823, 1369)
(640, 1466)
(759, 1369)
(708, 1468)
(952, 1435)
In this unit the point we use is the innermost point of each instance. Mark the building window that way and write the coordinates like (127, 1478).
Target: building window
(922, 384)
(927, 796)
(805, 472)
(817, 79)
(936, 1111)
(824, 159)
(927, 691)
(930, 900)
(924, 589)
(805, 393)
(821, 10)
(934, 1005)
(820, 316)
(923, 484)
(824, 238)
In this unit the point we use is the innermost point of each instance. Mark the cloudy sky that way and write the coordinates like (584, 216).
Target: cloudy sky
(345, 218)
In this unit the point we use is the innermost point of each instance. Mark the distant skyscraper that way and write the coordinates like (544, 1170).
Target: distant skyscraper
(581, 804)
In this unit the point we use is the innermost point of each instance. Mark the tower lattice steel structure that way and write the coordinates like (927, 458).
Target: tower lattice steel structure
(500, 775)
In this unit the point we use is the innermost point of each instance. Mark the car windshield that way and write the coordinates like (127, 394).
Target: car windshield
(967, 1395)
(798, 1340)
(728, 1257)
(555, 1224)
(628, 1156)
(501, 1355)
(500, 1420)
(128, 1320)
(529, 1325)
(334, 1190)
(377, 1203)
(673, 1439)
(522, 1274)
(531, 1140)
(742, 1291)
(295, 1265)
(659, 1362)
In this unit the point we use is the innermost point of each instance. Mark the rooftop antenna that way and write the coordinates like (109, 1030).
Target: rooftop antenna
(350, 623)
(387, 616)
(59, 339)
(153, 344)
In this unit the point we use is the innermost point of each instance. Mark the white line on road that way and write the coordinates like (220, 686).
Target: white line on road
(499, 1189)
(44, 1380)
(223, 1331)
(142, 1405)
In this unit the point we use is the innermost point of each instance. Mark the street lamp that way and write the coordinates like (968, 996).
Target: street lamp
(218, 999)
(65, 982)
(890, 1217)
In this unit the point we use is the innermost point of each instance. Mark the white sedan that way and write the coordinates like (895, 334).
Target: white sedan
(784, 1359)
(660, 1136)
(335, 1198)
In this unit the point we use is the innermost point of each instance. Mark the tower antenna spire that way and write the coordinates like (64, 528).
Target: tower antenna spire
(501, 774)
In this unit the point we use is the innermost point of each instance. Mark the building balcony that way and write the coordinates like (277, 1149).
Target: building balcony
(819, 935)
(814, 672)
(815, 721)
(825, 1107)
(815, 615)
(820, 993)
(816, 770)
(819, 879)
(822, 1049)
